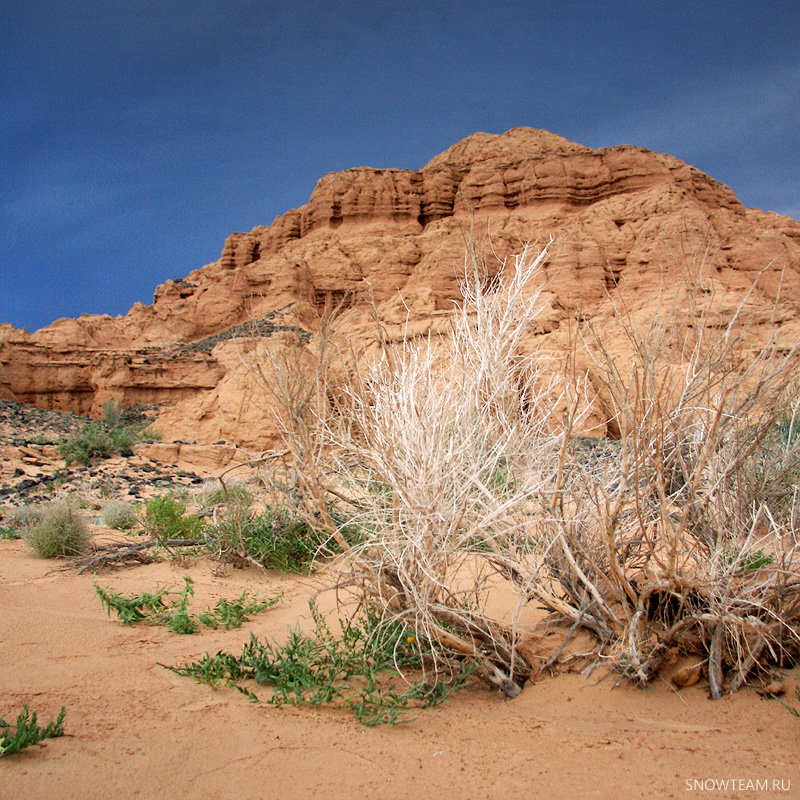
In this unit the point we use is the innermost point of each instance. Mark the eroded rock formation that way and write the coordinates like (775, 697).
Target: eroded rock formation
(618, 217)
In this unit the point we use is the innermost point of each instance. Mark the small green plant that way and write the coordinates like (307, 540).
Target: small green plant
(112, 412)
(355, 671)
(8, 528)
(136, 608)
(26, 732)
(104, 439)
(153, 608)
(747, 562)
(273, 538)
(177, 617)
(237, 495)
(59, 531)
(121, 515)
(165, 518)
(793, 710)
(232, 613)
(90, 442)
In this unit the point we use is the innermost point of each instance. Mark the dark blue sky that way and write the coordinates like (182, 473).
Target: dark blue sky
(136, 136)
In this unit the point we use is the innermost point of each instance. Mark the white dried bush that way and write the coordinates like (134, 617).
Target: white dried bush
(458, 461)
(441, 446)
(685, 538)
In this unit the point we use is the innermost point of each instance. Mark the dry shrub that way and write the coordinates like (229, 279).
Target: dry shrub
(456, 459)
(60, 530)
(437, 450)
(685, 537)
(120, 514)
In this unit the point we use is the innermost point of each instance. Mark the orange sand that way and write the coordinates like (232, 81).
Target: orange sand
(137, 730)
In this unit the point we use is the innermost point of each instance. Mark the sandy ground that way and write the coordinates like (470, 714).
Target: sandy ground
(137, 730)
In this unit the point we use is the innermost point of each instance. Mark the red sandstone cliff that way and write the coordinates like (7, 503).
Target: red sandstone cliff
(620, 216)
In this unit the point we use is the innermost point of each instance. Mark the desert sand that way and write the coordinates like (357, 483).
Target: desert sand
(137, 730)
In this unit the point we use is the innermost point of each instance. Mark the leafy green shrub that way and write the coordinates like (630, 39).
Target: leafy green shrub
(92, 441)
(152, 607)
(26, 732)
(103, 440)
(59, 531)
(274, 538)
(165, 518)
(355, 671)
(121, 515)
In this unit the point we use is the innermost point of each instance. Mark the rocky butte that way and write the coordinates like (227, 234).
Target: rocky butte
(621, 218)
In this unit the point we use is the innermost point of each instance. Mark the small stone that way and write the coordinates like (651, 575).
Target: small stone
(687, 676)
(774, 688)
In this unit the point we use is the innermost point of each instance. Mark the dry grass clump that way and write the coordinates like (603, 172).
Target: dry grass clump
(60, 530)
(457, 460)
(121, 515)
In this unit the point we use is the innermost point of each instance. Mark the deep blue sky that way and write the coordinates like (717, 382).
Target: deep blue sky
(135, 136)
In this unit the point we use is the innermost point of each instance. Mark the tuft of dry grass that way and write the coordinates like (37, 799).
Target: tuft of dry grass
(59, 530)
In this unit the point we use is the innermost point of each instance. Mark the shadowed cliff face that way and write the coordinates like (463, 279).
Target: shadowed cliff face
(620, 218)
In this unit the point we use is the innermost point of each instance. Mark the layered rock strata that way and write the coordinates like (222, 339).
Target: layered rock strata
(620, 218)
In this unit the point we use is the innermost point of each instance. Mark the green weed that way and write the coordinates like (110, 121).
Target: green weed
(747, 562)
(103, 440)
(155, 608)
(165, 518)
(26, 732)
(275, 538)
(356, 671)
(92, 441)
(11, 531)
(136, 608)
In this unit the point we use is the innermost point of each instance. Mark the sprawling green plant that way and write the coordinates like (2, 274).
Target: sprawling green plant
(26, 732)
(91, 441)
(171, 609)
(274, 538)
(105, 439)
(357, 670)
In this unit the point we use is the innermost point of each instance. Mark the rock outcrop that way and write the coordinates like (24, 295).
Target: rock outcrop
(618, 217)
